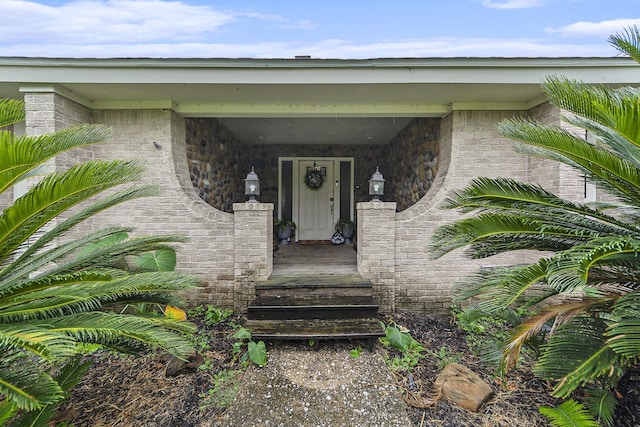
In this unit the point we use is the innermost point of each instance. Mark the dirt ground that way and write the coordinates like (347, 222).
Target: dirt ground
(134, 391)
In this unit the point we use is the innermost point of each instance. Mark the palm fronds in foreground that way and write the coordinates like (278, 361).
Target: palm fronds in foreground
(585, 288)
(60, 292)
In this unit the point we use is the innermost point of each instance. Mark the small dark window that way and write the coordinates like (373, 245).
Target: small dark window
(345, 190)
(286, 209)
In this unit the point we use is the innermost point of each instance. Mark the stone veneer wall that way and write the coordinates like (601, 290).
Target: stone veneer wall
(366, 157)
(218, 163)
(412, 162)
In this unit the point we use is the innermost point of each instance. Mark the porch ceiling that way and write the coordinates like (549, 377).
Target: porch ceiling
(306, 100)
(295, 130)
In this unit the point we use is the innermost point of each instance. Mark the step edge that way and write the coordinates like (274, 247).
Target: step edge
(313, 307)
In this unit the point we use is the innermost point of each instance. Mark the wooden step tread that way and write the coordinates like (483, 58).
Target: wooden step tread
(323, 281)
(312, 312)
(314, 329)
(315, 301)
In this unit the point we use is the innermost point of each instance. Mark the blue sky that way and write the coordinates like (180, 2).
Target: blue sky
(322, 29)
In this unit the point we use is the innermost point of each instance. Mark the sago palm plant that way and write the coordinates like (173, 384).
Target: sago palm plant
(59, 291)
(585, 286)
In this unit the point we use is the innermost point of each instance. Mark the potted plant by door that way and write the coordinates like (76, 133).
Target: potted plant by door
(347, 228)
(284, 229)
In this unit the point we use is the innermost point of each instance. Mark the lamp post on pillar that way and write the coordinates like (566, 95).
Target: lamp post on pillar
(376, 185)
(252, 185)
(252, 243)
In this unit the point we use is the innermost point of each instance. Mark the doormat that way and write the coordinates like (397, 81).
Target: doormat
(314, 242)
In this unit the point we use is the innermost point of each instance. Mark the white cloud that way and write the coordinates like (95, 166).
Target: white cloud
(512, 4)
(95, 21)
(122, 21)
(167, 28)
(600, 29)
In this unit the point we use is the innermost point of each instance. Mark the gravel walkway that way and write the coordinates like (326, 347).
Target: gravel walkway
(300, 386)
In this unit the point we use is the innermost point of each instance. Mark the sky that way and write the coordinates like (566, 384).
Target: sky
(327, 29)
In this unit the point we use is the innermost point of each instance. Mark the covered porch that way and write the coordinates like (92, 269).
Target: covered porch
(309, 260)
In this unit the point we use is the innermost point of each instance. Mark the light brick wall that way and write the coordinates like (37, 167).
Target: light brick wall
(209, 253)
(253, 241)
(49, 112)
(224, 247)
(470, 146)
(562, 180)
(376, 249)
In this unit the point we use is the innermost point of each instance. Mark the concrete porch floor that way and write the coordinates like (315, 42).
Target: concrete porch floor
(303, 260)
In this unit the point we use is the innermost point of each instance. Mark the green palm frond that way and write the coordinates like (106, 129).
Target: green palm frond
(628, 42)
(504, 287)
(617, 175)
(576, 354)
(83, 296)
(602, 403)
(27, 286)
(569, 414)
(26, 384)
(68, 377)
(36, 341)
(17, 273)
(621, 114)
(588, 280)
(57, 193)
(86, 212)
(125, 331)
(21, 155)
(609, 138)
(493, 233)
(62, 290)
(109, 256)
(499, 193)
(11, 112)
(532, 326)
(624, 335)
(616, 109)
(571, 269)
(504, 195)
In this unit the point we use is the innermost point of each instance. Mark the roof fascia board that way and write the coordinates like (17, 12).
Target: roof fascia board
(279, 110)
(355, 110)
(469, 62)
(135, 105)
(432, 70)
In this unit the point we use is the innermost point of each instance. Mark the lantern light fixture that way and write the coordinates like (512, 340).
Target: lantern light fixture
(252, 185)
(376, 185)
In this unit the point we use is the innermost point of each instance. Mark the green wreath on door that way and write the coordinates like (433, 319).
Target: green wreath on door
(313, 179)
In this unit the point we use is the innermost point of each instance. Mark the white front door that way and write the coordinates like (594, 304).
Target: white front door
(316, 207)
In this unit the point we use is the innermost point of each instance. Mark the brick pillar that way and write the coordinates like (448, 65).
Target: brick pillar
(376, 249)
(253, 243)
